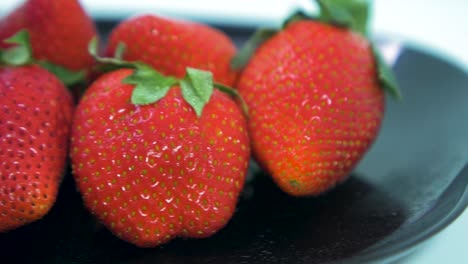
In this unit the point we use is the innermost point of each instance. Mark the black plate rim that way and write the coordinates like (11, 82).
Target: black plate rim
(403, 248)
(398, 250)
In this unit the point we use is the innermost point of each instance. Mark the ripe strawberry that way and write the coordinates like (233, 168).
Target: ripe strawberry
(35, 118)
(316, 104)
(170, 46)
(153, 171)
(60, 31)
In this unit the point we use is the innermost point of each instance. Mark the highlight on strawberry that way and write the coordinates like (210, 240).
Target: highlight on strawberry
(315, 90)
(157, 157)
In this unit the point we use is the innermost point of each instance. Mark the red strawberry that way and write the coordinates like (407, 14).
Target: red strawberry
(35, 118)
(60, 31)
(170, 46)
(316, 104)
(153, 171)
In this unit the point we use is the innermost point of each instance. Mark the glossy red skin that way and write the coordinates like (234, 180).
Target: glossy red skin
(315, 105)
(171, 45)
(60, 31)
(152, 173)
(35, 120)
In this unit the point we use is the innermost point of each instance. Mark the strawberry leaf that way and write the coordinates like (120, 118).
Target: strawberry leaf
(352, 14)
(235, 94)
(386, 76)
(21, 53)
(248, 49)
(110, 63)
(150, 85)
(68, 77)
(296, 16)
(197, 88)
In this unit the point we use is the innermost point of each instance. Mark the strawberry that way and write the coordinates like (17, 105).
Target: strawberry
(157, 158)
(60, 31)
(35, 119)
(315, 99)
(170, 46)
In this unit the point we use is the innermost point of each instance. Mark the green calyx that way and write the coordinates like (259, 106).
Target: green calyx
(386, 77)
(151, 86)
(354, 14)
(21, 54)
(351, 14)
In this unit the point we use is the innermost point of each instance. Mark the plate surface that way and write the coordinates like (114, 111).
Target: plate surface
(411, 184)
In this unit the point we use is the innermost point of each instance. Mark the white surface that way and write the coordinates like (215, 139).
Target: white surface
(436, 25)
(440, 25)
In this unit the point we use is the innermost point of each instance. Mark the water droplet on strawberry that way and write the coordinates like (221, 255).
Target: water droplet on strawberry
(327, 99)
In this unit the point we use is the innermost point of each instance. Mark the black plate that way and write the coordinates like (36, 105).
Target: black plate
(411, 184)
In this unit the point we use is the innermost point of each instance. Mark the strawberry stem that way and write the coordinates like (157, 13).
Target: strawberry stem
(235, 94)
(120, 50)
(110, 63)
